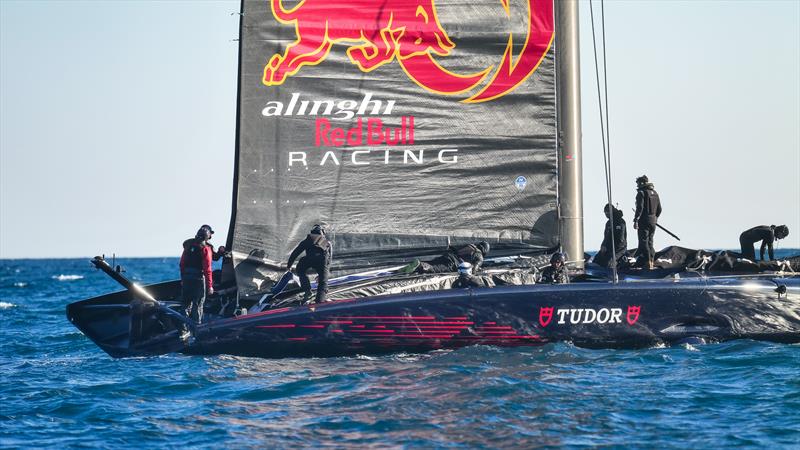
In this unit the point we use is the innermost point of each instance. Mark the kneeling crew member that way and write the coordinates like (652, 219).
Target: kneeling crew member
(648, 209)
(448, 262)
(196, 277)
(766, 234)
(556, 272)
(466, 279)
(318, 257)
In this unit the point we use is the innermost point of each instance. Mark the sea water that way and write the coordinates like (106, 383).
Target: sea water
(57, 389)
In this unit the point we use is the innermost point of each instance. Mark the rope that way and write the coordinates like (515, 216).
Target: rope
(604, 127)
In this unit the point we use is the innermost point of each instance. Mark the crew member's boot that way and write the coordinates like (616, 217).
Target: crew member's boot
(307, 297)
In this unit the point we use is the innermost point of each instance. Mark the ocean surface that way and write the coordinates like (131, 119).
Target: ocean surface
(57, 389)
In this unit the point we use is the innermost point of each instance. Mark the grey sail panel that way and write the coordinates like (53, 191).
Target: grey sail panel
(404, 126)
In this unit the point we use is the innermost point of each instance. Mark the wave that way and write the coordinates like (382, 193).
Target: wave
(6, 305)
(67, 277)
(20, 284)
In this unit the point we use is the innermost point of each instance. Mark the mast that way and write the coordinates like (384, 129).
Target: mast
(570, 173)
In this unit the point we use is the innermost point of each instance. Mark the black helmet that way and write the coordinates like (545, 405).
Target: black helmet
(557, 257)
(781, 231)
(642, 180)
(483, 246)
(318, 229)
(204, 233)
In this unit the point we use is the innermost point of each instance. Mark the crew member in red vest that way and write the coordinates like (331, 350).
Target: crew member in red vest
(197, 280)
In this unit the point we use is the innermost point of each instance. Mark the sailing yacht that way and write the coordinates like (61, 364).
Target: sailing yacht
(410, 127)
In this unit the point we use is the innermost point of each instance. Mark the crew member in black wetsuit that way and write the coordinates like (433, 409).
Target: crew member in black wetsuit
(448, 262)
(556, 272)
(466, 279)
(603, 257)
(766, 234)
(318, 257)
(648, 209)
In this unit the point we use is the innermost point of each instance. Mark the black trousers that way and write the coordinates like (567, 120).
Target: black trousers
(646, 231)
(320, 265)
(441, 264)
(193, 295)
(748, 249)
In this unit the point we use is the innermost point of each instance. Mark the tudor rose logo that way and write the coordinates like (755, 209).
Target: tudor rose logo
(633, 314)
(545, 315)
(409, 32)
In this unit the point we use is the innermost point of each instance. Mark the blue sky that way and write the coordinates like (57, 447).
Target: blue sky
(117, 121)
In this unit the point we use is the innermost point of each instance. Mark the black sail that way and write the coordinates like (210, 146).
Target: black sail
(403, 126)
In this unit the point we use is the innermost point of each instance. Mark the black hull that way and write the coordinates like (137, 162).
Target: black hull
(594, 315)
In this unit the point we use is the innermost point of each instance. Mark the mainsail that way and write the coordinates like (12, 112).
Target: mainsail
(405, 126)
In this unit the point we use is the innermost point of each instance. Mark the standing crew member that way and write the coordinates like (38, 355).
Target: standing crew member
(556, 272)
(318, 257)
(196, 278)
(648, 209)
(448, 262)
(765, 234)
(620, 237)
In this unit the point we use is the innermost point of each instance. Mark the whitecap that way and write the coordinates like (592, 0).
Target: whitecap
(67, 277)
(6, 305)
(20, 284)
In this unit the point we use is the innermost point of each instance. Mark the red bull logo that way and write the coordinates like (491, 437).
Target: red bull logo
(409, 32)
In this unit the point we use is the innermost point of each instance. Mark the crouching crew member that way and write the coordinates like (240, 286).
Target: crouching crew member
(556, 272)
(766, 234)
(620, 238)
(196, 277)
(448, 262)
(317, 257)
(648, 209)
(466, 279)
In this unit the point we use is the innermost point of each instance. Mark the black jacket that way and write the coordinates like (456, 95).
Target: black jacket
(552, 275)
(603, 256)
(648, 205)
(469, 281)
(763, 233)
(313, 244)
(471, 254)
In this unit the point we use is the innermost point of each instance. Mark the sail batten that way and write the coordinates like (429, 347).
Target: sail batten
(404, 126)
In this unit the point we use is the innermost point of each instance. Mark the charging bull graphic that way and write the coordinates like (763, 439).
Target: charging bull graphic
(409, 32)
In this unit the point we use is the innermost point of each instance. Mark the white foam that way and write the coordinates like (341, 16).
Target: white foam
(6, 305)
(20, 284)
(67, 277)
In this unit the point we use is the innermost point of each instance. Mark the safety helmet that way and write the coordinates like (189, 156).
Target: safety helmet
(204, 232)
(642, 180)
(781, 231)
(483, 246)
(318, 229)
(465, 268)
(557, 257)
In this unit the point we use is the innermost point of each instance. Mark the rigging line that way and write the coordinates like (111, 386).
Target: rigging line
(605, 87)
(605, 157)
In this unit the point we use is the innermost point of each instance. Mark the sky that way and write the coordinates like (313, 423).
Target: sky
(117, 121)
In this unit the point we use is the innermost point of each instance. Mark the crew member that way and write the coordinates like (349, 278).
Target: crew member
(766, 234)
(648, 209)
(620, 238)
(466, 279)
(216, 255)
(196, 278)
(556, 272)
(317, 257)
(448, 262)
